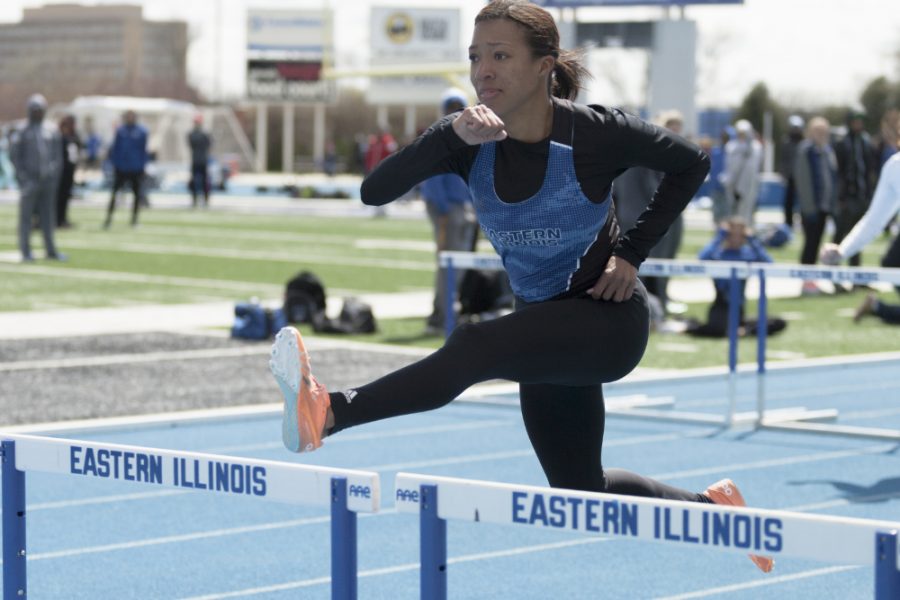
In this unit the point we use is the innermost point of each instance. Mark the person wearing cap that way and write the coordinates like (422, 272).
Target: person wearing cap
(36, 154)
(857, 173)
(200, 143)
(743, 162)
(787, 157)
(449, 207)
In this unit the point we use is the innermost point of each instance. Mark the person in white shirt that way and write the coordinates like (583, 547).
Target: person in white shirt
(885, 204)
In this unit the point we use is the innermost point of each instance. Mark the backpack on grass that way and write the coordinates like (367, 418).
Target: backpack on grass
(304, 298)
(253, 322)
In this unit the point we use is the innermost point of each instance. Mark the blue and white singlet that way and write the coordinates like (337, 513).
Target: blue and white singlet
(542, 239)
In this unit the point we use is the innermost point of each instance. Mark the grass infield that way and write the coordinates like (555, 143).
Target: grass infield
(183, 256)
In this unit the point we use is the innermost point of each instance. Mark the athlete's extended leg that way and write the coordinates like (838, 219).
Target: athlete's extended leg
(577, 341)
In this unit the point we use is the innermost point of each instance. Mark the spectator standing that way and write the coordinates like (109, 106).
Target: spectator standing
(815, 181)
(129, 156)
(330, 159)
(720, 209)
(36, 154)
(788, 156)
(632, 192)
(71, 152)
(857, 173)
(885, 206)
(452, 215)
(379, 147)
(92, 144)
(5, 168)
(200, 144)
(889, 142)
(743, 162)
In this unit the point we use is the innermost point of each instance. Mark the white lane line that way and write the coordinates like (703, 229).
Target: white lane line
(253, 255)
(727, 589)
(104, 500)
(133, 358)
(259, 289)
(778, 462)
(175, 539)
(374, 435)
(838, 502)
(508, 454)
(292, 585)
(152, 420)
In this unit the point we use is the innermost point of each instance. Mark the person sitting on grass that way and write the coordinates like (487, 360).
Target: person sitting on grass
(734, 241)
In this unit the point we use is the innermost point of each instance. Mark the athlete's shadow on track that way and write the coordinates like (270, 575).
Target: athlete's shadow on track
(881, 491)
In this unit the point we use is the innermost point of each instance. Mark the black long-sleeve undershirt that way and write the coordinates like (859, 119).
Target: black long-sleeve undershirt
(606, 142)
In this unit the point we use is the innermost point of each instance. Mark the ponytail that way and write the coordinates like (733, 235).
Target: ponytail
(568, 74)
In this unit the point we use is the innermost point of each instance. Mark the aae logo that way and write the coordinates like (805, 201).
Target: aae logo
(404, 495)
(360, 491)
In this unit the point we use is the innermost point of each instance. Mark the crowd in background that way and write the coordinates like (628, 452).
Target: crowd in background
(829, 174)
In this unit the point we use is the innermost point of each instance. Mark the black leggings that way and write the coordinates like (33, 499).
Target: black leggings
(121, 178)
(560, 352)
(813, 230)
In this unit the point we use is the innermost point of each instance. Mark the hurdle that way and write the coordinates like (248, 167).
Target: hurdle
(782, 418)
(686, 524)
(345, 491)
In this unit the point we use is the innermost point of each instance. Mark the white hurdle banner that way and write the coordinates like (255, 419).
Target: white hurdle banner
(345, 491)
(686, 524)
(660, 267)
(797, 419)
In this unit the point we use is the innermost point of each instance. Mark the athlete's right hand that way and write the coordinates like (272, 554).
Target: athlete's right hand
(478, 125)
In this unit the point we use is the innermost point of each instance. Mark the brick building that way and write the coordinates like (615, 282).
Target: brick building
(68, 50)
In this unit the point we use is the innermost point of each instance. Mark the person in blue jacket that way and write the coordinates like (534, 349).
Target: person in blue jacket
(733, 241)
(449, 207)
(128, 155)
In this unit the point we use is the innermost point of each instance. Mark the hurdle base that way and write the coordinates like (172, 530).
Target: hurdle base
(780, 415)
(870, 433)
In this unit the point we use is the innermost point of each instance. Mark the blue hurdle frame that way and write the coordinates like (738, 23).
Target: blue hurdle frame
(433, 551)
(14, 573)
(15, 580)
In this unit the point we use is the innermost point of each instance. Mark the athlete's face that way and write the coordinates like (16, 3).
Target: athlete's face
(504, 72)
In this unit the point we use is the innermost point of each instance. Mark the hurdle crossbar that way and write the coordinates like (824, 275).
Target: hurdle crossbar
(793, 419)
(687, 524)
(345, 491)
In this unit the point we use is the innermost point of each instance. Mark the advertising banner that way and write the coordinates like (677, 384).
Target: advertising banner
(412, 36)
(286, 50)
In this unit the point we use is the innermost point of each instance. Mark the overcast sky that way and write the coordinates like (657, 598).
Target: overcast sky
(808, 52)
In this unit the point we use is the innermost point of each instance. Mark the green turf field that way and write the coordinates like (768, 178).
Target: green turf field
(182, 256)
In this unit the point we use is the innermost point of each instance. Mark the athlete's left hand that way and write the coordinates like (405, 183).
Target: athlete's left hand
(617, 282)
